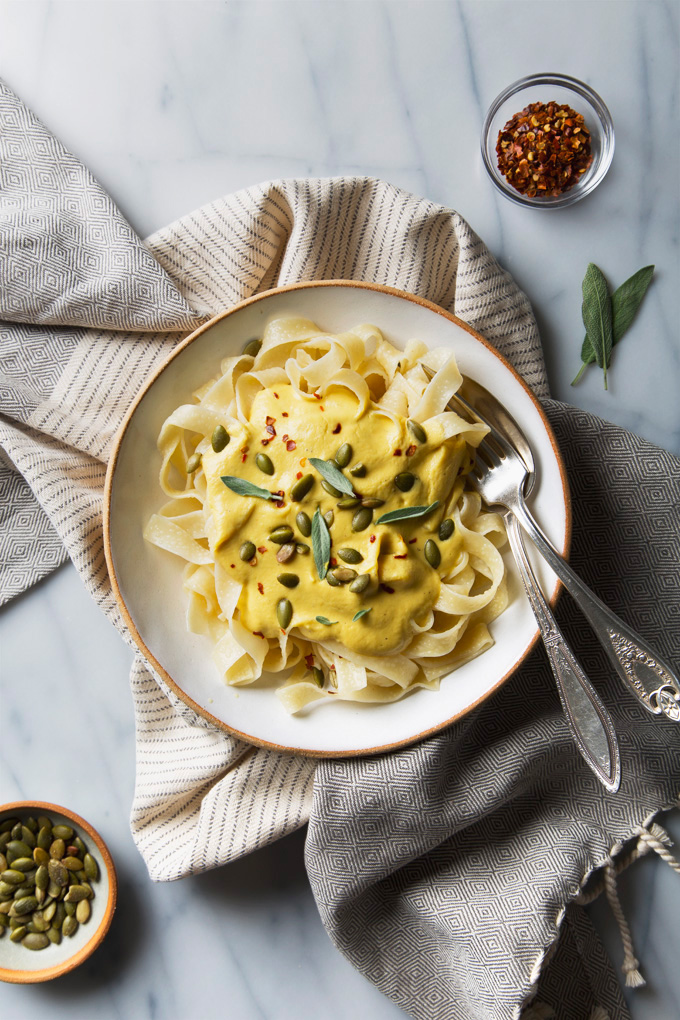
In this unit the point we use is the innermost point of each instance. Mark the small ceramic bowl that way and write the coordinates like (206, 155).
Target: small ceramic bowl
(545, 88)
(24, 966)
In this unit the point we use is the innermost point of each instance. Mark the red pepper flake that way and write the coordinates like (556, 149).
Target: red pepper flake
(284, 414)
(284, 437)
(397, 453)
(260, 587)
(318, 396)
(303, 461)
(275, 394)
(401, 556)
(265, 442)
(258, 633)
(337, 429)
(321, 407)
(412, 540)
(544, 149)
(253, 562)
(372, 538)
(233, 565)
(309, 659)
(299, 474)
(270, 430)
(278, 502)
(262, 548)
(386, 587)
(333, 562)
(411, 450)
(269, 420)
(244, 453)
(291, 445)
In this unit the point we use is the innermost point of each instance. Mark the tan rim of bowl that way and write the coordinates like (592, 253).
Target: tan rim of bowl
(219, 723)
(29, 977)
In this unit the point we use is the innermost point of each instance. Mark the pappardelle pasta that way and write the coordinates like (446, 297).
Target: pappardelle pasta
(317, 492)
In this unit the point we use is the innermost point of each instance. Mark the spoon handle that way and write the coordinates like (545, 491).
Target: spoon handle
(588, 719)
(647, 676)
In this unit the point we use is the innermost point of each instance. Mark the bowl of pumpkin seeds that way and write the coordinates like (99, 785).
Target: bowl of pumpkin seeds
(57, 891)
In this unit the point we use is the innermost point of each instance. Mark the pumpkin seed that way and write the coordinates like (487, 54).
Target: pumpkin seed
(330, 489)
(193, 463)
(31, 824)
(19, 933)
(12, 877)
(286, 552)
(44, 822)
(23, 864)
(57, 849)
(54, 935)
(362, 519)
(27, 836)
(432, 553)
(446, 529)
(59, 916)
(3, 862)
(16, 831)
(42, 877)
(219, 439)
(358, 471)
(70, 909)
(8, 824)
(304, 524)
(344, 455)
(25, 905)
(302, 548)
(252, 348)
(80, 846)
(50, 910)
(329, 517)
(70, 926)
(405, 481)
(91, 867)
(75, 894)
(35, 940)
(17, 848)
(57, 872)
(332, 580)
(281, 535)
(4, 921)
(284, 612)
(350, 555)
(72, 863)
(44, 837)
(40, 856)
(4, 840)
(301, 488)
(38, 922)
(372, 502)
(83, 911)
(247, 551)
(344, 574)
(348, 502)
(417, 430)
(264, 463)
(55, 890)
(288, 580)
(360, 583)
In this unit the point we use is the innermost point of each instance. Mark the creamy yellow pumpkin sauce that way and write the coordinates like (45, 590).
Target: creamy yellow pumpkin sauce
(403, 585)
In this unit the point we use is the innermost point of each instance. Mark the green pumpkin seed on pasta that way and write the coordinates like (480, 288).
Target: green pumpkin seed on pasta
(193, 463)
(432, 553)
(405, 481)
(301, 488)
(329, 518)
(288, 580)
(247, 551)
(264, 463)
(350, 555)
(281, 535)
(219, 439)
(332, 580)
(284, 613)
(348, 502)
(318, 675)
(302, 548)
(372, 502)
(344, 455)
(344, 574)
(446, 529)
(330, 489)
(286, 552)
(360, 584)
(417, 430)
(252, 348)
(304, 524)
(362, 519)
(358, 471)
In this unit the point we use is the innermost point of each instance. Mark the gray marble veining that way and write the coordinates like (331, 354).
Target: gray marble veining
(174, 104)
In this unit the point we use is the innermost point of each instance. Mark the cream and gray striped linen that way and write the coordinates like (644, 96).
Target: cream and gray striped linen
(442, 871)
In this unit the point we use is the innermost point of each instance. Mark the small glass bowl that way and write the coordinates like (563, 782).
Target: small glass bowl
(545, 88)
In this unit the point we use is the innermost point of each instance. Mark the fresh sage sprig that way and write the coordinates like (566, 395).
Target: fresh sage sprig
(333, 475)
(244, 488)
(321, 543)
(362, 612)
(624, 303)
(326, 622)
(407, 512)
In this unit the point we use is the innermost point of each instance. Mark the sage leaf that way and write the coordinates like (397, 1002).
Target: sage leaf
(626, 300)
(597, 316)
(406, 513)
(321, 544)
(328, 470)
(326, 622)
(362, 612)
(244, 488)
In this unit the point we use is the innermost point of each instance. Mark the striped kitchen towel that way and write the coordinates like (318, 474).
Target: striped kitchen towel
(447, 872)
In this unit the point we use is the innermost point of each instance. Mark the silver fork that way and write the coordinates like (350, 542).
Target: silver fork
(588, 719)
(499, 476)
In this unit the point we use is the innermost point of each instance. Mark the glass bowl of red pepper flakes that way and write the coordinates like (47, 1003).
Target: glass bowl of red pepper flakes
(547, 141)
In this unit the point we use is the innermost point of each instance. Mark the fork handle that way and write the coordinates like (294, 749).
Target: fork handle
(588, 719)
(647, 676)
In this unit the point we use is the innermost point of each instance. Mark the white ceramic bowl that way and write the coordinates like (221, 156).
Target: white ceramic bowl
(147, 580)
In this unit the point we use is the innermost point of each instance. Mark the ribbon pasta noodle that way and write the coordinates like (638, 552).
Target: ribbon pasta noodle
(396, 604)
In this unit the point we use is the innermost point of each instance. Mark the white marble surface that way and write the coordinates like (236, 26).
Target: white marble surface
(173, 104)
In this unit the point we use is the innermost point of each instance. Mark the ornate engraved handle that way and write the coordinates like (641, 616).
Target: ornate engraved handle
(588, 719)
(648, 677)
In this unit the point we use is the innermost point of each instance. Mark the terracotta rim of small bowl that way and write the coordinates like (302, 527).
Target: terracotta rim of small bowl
(111, 469)
(29, 977)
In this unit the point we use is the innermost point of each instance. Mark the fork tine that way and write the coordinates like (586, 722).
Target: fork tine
(500, 440)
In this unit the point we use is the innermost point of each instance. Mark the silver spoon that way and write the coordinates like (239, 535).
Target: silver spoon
(500, 478)
(588, 719)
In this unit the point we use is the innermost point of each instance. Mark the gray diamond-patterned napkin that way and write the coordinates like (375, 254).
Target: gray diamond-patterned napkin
(446, 872)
